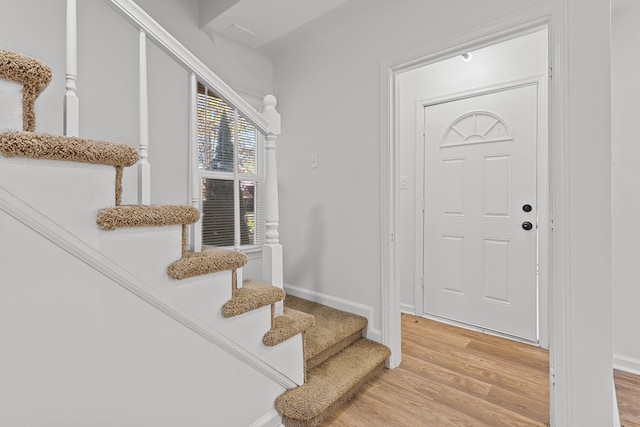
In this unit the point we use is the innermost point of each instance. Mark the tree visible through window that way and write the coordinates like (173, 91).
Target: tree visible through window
(228, 157)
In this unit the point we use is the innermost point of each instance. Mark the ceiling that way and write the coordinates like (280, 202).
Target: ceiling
(256, 23)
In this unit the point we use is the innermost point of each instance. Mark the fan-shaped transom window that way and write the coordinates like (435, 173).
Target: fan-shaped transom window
(476, 127)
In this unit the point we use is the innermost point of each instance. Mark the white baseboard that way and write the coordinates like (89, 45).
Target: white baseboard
(626, 364)
(339, 304)
(409, 309)
(270, 419)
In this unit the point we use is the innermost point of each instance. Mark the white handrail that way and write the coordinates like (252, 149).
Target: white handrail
(180, 53)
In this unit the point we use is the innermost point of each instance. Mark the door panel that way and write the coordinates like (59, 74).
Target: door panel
(497, 270)
(480, 169)
(454, 182)
(497, 186)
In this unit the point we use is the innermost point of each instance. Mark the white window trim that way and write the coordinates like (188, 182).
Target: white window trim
(196, 175)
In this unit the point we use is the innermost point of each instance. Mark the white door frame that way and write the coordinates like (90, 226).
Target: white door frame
(542, 203)
(553, 17)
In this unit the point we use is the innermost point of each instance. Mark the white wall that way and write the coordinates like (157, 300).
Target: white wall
(524, 57)
(625, 109)
(328, 86)
(245, 70)
(78, 349)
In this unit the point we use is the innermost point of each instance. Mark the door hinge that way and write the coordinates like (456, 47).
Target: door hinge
(550, 70)
(552, 376)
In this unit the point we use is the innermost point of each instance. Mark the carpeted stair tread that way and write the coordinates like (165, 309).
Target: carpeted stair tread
(210, 260)
(287, 325)
(54, 147)
(34, 76)
(333, 330)
(144, 215)
(331, 383)
(251, 296)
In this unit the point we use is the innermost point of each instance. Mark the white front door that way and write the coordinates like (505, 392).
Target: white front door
(480, 242)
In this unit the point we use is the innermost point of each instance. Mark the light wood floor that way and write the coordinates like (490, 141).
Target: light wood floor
(454, 377)
(628, 392)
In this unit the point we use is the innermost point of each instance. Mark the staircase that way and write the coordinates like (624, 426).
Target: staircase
(338, 362)
(79, 190)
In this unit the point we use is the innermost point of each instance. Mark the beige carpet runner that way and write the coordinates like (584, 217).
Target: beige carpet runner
(209, 260)
(339, 362)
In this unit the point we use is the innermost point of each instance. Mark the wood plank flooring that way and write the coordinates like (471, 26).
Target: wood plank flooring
(628, 392)
(454, 377)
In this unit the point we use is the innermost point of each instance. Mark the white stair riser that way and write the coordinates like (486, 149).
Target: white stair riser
(203, 296)
(286, 357)
(10, 106)
(69, 193)
(145, 252)
(248, 330)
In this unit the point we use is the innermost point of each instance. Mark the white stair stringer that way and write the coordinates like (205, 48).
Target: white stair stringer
(167, 301)
(70, 194)
(204, 296)
(147, 251)
(81, 350)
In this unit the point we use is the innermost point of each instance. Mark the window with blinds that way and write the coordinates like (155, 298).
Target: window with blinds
(231, 177)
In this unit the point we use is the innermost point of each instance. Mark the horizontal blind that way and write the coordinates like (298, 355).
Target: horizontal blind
(223, 134)
(217, 212)
(247, 147)
(215, 132)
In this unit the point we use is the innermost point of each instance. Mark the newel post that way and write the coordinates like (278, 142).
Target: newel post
(272, 259)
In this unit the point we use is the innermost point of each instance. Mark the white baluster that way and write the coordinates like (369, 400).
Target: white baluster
(71, 102)
(196, 191)
(144, 168)
(272, 258)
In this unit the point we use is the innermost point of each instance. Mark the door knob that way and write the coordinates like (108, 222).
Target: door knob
(527, 225)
